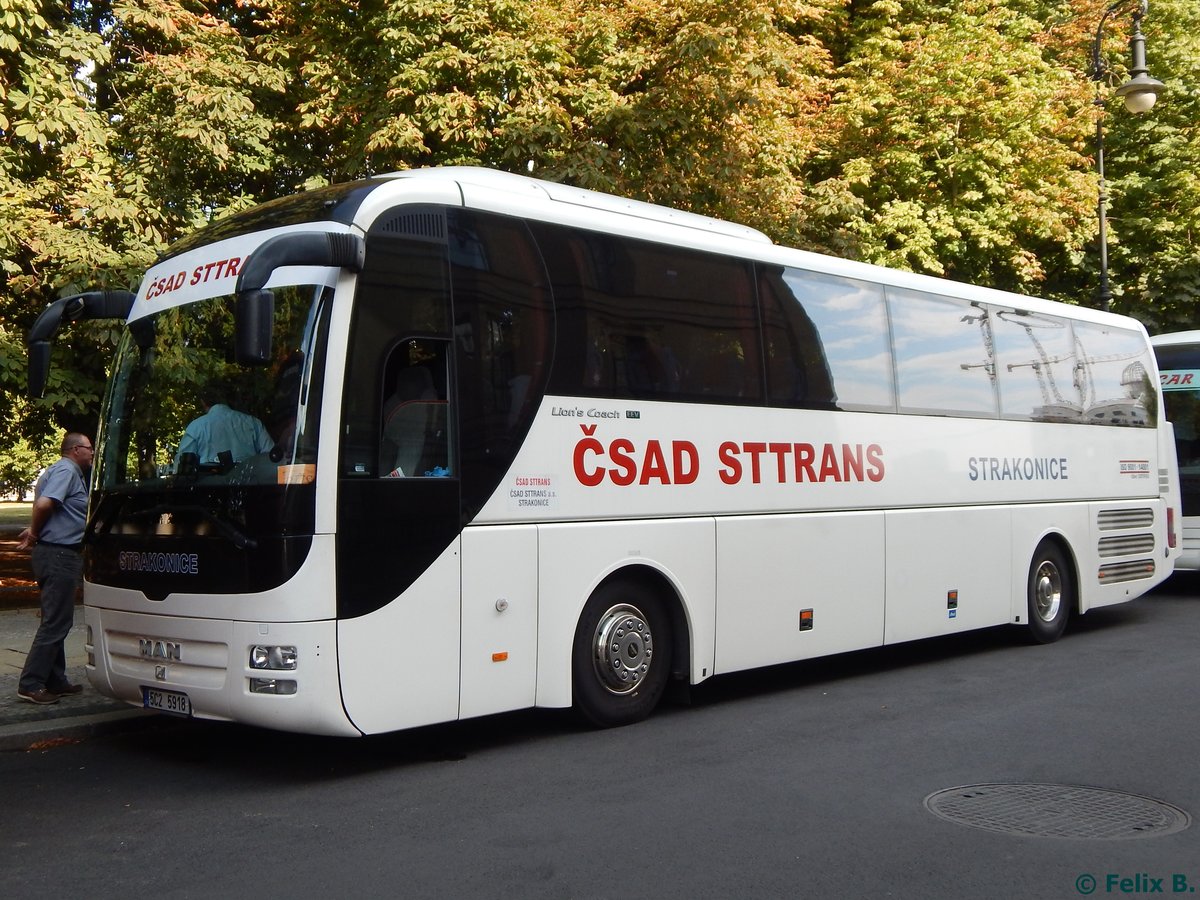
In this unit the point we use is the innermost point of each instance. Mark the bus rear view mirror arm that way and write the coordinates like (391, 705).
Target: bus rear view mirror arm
(256, 306)
(92, 305)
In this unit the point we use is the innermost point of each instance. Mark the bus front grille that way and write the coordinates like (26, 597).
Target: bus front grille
(151, 659)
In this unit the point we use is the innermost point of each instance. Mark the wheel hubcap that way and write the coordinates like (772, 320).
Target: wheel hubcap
(1047, 591)
(624, 647)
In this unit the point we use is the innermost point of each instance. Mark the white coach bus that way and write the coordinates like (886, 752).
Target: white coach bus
(1178, 357)
(541, 447)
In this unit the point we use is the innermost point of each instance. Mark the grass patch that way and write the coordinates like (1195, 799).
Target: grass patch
(14, 514)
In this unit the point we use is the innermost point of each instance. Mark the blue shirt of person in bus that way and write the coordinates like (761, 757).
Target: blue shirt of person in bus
(223, 429)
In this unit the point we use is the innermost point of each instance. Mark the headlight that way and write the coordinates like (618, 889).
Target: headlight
(264, 657)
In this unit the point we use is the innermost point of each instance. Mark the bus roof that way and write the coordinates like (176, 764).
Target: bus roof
(713, 235)
(493, 179)
(1175, 338)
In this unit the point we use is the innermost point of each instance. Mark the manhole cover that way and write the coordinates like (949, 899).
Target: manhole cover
(1057, 810)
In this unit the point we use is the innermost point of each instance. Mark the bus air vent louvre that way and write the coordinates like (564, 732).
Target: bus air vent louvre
(1164, 482)
(1126, 545)
(421, 226)
(1115, 519)
(1117, 573)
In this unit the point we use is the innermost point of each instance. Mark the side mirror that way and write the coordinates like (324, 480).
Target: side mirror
(92, 305)
(253, 318)
(256, 306)
(39, 367)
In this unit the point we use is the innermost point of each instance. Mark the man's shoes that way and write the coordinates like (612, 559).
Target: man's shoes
(67, 689)
(42, 697)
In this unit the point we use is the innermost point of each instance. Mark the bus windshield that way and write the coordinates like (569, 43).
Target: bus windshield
(1179, 370)
(182, 417)
(1179, 367)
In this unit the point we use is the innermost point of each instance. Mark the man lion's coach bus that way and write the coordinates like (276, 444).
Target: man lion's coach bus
(1178, 357)
(535, 446)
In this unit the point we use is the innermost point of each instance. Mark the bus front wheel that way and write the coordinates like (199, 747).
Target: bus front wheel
(621, 658)
(1051, 593)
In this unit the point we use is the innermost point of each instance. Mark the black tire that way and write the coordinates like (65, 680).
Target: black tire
(1050, 592)
(621, 657)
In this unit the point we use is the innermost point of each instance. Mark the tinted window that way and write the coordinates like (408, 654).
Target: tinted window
(1178, 356)
(1036, 359)
(1114, 376)
(403, 293)
(827, 340)
(417, 415)
(502, 336)
(1179, 367)
(942, 359)
(641, 320)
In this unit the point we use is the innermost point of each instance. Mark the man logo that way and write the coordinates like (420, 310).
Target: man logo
(168, 650)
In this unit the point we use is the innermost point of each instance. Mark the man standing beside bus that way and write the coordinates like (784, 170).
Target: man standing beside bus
(55, 534)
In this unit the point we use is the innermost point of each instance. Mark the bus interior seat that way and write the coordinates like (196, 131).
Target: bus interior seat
(410, 416)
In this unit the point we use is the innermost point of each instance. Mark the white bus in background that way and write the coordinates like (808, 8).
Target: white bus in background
(1178, 357)
(541, 447)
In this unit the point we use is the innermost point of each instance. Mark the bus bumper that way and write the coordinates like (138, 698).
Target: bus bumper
(275, 675)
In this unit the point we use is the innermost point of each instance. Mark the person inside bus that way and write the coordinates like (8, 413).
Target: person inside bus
(222, 430)
(408, 419)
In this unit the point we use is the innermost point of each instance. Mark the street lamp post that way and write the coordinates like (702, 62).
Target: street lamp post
(1139, 93)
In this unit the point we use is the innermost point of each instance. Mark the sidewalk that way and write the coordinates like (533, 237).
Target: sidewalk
(27, 726)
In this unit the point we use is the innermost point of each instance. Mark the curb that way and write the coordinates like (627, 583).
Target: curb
(26, 736)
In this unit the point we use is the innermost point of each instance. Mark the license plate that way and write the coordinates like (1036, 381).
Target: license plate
(172, 702)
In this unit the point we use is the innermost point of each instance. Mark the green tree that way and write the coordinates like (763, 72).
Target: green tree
(122, 125)
(699, 104)
(20, 464)
(956, 148)
(1153, 168)
(56, 177)
(405, 83)
(948, 137)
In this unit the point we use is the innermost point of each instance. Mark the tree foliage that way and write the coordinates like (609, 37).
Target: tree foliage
(1154, 178)
(700, 104)
(21, 463)
(949, 137)
(956, 147)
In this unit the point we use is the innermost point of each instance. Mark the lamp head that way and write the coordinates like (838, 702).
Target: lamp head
(1140, 92)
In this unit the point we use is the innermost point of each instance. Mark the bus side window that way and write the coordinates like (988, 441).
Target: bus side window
(1035, 366)
(945, 362)
(642, 320)
(403, 292)
(1113, 373)
(503, 325)
(414, 429)
(797, 371)
(826, 339)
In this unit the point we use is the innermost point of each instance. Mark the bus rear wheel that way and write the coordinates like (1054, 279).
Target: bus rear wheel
(1051, 593)
(621, 658)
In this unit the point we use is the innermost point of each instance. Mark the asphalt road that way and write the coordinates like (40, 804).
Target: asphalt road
(807, 780)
